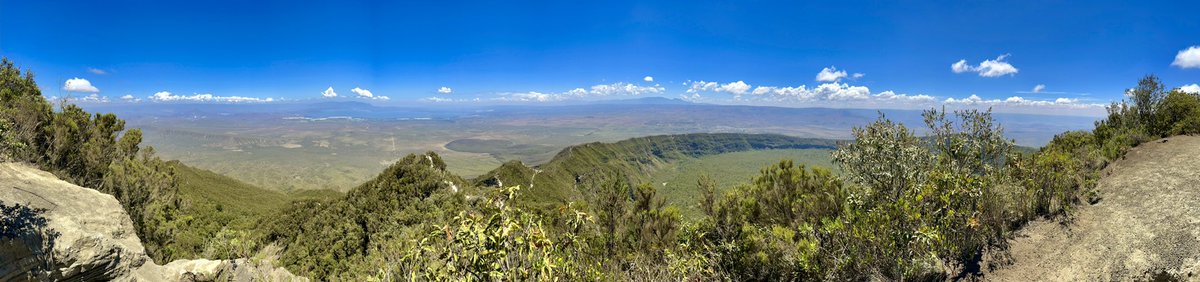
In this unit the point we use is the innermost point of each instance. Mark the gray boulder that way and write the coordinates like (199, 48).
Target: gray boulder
(54, 230)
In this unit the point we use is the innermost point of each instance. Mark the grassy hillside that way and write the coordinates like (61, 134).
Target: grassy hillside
(637, 159)
(202, 187)
(678, 181)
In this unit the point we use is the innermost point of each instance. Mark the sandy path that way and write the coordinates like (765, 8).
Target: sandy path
(1147, 224)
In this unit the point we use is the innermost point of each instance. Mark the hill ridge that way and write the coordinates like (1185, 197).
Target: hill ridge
(633, 158)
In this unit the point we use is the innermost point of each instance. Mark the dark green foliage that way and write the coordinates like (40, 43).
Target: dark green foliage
(1179, 113)
(510, 173)
(1147, 97)
(633, 158)
(769, 229)
(218, 215)
(325, 238)
(90, 151)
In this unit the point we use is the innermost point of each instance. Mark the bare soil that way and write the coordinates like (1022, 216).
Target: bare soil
(1146, 227)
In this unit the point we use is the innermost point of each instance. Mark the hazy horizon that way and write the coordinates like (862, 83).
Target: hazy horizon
(1035, 58)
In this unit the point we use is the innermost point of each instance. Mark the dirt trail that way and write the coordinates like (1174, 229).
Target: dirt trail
(1147, 224)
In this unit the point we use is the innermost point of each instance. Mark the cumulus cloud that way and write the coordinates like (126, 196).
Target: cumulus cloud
(1187, 58)
(1190, 88)
(97, 71)
(532, 96)
(837, 94)
(127, 97)
(648, 78)
(445, 90)
(858, 75)
(366, 94)
(830, 74)
(79, 85)
(889, 95)
(362, 92)
(961, 66)
(93, 98)
(700, 86)
(1018, 101)
(988, 68)
(329, 93)
(166, 96)
(601, 90)
(824, 93)
(1039, 88)
(736, 88)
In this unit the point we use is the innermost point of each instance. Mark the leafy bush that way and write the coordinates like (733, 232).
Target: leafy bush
(92, 151)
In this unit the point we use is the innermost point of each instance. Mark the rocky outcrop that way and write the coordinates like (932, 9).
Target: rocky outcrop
(54, 230)
(213, 270)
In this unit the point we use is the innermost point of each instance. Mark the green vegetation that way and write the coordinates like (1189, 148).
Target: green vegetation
(556, 182)
(218, 214)
(728, 170)
(898, 206)
(91, 151)
(903, 207)
(178, 211)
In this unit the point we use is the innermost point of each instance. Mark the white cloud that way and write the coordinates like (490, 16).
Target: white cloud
(1018, 101)
(79, 85)
(1039, 88)
(97, 71)
(531, 96)
(699, 86)
(830, 74)
(1188, 58)
(445, 90)
(961, 66)
(821, 93)
(839, 94)
(735, 88)
(988, 68)
(1190, 88)
(858, 75)
(165, 96)
(362, 92)
(329, 93)
(889, 95)
(92, 98)
(622, 88)
(437, 99)
(648, 78)
(130, 98)
(602, 90)
(366, 94)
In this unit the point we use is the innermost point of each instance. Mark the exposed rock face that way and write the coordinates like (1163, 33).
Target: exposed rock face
(54, 230)
(95, 238)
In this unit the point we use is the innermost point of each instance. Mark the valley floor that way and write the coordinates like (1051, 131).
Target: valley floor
(1146, 226)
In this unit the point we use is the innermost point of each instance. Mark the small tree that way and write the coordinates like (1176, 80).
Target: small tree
(1147, 97)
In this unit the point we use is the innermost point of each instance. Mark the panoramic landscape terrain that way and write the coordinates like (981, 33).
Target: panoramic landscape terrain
(615, 141)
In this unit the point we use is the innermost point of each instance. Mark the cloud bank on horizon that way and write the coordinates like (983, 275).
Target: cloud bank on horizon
(1010, 56)
(830, 92)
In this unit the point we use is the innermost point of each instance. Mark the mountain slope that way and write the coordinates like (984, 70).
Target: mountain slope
(635, 159)
(205, 187)
(1146, 227)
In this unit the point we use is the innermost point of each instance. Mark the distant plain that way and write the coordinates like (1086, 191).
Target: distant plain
(337, 145)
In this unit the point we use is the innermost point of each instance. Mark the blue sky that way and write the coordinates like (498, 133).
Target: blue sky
(505, 51)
